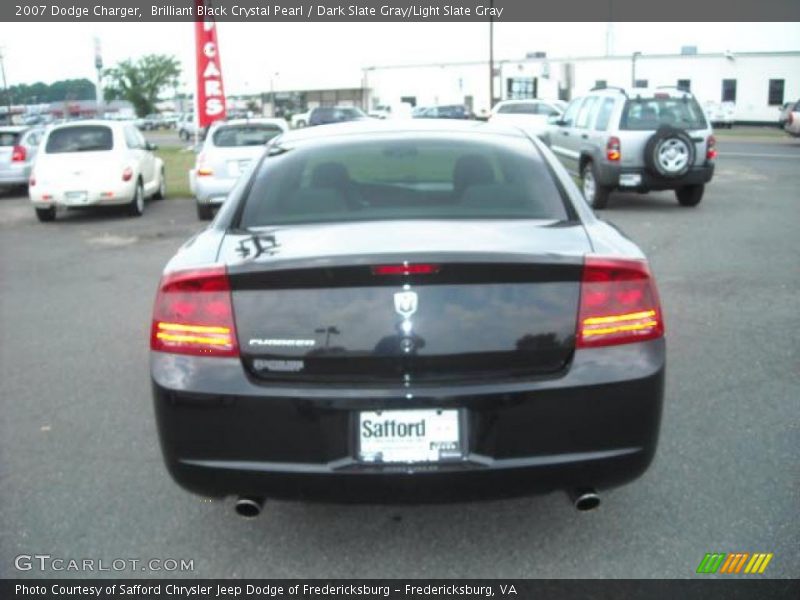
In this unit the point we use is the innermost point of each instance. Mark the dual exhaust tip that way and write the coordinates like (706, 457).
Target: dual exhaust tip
(582, 499)
(249, 507)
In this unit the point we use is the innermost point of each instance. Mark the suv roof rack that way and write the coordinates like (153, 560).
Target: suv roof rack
(609, 87)
(673, 87)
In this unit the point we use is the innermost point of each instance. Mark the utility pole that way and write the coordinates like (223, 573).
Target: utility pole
(98, 64)
(5, 86)
(633, 68)
(491, 54)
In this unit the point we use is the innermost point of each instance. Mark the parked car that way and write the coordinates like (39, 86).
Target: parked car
(325, 115)
(637, 140)
(720, 114)
(386, 310)
(300, 120)
(187, 127)
(95, 164)
(530, 115)
(229, 149)
(18, 148)
(449, 111)
(792, 123)
(150, 122)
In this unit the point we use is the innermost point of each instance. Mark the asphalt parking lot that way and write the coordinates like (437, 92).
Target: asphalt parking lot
(81, 473)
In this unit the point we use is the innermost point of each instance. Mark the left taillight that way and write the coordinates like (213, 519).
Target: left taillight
(19, 154)
(619, 303)
(613, 149)
(711, 148)
(193, 314)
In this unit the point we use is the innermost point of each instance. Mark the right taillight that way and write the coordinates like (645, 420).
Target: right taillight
(193, 314)
(619, 303)
(613, 152)
(711, 148)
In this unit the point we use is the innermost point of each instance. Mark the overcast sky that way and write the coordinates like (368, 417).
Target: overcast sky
(333, 54)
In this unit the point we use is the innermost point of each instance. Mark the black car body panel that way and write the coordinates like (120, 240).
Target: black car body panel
(320, 340)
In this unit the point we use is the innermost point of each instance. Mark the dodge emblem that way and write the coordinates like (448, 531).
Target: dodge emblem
(405, 303)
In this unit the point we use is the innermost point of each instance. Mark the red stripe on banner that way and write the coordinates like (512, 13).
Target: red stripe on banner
(210, 91)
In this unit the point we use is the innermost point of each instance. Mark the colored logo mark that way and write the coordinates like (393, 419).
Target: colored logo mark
(734, 563)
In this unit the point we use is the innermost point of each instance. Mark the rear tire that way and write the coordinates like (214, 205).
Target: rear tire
(690, 195)
(46, 214)
(205, 212)
(596, 195)
(184, 135)
(136, 207)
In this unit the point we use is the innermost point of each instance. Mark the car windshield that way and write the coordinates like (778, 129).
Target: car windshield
(252, 134)
(81, 138)
(424, 178)
(651, 113)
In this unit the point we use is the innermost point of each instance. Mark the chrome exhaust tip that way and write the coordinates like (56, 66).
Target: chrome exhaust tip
(249, 507)
(584, 498)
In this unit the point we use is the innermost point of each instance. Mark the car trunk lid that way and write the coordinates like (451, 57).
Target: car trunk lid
(406, 301)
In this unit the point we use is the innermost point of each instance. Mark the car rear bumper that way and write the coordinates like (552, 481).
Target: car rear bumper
(43, 196)
(225, 434)
(15, 174)
(613, 176)
(212, 190)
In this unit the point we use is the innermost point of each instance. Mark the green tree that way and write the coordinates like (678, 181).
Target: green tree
(140, 82)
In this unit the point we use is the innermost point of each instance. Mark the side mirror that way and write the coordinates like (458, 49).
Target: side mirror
(150, 147)
(555, 120)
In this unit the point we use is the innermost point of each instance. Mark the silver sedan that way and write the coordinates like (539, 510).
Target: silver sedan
(228, 150)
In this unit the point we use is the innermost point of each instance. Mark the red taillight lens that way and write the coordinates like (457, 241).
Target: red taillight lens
(790, 120)
(127, 174)
(32, 181)
(193, 314)
(619, 303)
(711, 148)
(418, 269)
(19, 154)
(613, 149)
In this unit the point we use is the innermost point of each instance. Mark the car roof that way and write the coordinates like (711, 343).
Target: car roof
(112, 123)
(639, 93)
(14, 128)
(254, 121)
(400, 127)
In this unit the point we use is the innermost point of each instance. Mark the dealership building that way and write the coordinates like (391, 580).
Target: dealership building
(758, 83)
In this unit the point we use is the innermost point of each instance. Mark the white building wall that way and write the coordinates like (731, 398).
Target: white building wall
(451, 83)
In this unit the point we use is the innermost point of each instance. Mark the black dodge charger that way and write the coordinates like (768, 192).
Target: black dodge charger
(407, 311)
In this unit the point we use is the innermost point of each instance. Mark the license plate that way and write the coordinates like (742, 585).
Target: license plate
(630, 180)
(237, 167)
(410, 436)
(76, 197)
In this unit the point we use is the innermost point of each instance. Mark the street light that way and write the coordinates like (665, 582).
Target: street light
(272, 91)
(633, 68)
(491, 54)
(5, 86)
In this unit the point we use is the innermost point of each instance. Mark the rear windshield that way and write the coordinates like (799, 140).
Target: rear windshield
(252, 134)
(379, 179)
(80, 138)
(652, 113)
(9, 138)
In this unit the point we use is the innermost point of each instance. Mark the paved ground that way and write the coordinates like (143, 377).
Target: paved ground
(81, 474)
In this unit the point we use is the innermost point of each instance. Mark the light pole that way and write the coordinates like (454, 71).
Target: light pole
(491, 54)
(633, 68)
(272, 92)
(5, 86)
